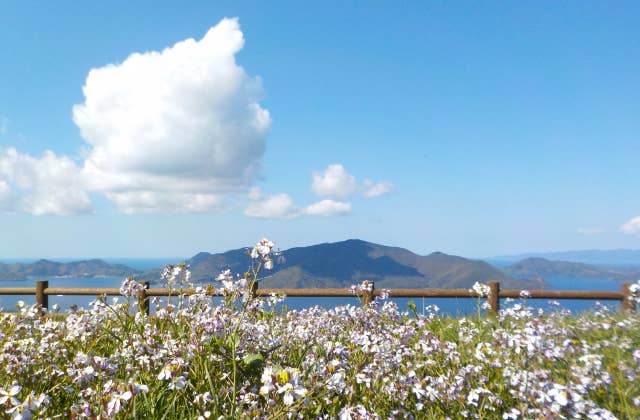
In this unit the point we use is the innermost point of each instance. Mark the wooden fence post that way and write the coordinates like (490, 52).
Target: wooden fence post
(143, 299)
(494, 298)
(628, 304)
(41, 298)
(367, 293)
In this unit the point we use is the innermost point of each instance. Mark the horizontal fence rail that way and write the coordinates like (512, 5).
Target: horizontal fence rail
(42, 291)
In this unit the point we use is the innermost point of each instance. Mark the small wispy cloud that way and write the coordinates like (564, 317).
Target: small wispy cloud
(281, 206)
(632, 227)
(372, 189)
(590, 231)
(276, 206)
(328, 208)
(334, 182)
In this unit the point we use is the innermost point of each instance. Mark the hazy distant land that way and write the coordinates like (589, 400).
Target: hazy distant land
(85, 268)
(606, 257)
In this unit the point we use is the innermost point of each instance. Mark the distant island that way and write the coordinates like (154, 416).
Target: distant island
(542, 267)
(601, 257)
(86, 268)
(339, 264)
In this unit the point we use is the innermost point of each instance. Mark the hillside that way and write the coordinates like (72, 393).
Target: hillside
(342, 264)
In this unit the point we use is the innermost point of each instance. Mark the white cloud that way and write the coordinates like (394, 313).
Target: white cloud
(590, 231)
(255, 194)
(46, 185)
(632, 227)
(174, 130)
(375, 190)
(328, 208)
(277, 206)
(6, 199)
(281, 206)
(334, 182)
(162, 202)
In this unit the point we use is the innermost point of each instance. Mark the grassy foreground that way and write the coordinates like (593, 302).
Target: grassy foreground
(245, 359)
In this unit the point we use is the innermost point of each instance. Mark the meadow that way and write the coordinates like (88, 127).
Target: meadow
(250, 358)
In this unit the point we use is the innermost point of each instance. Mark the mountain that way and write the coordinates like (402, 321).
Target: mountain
(342, 264)
(86, 268)
(543, 267)
(608, 257)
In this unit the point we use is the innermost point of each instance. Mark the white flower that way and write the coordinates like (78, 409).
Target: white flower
(480, 289)
(254, 253)
(225, 275)
(289, 385)
(291, 393)
(10, 395)
(559, 394)
(138, 388)
(178, 383)
(263, 250)
(114, 405)
(512, 414)
(165, 373)
(130, 287)
(267, 243)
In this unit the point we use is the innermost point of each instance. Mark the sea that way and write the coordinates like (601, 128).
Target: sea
(446, 306)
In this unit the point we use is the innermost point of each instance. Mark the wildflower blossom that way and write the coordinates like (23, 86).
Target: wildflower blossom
(8, 397)
(130, 287)
(480, 289)
(116, 402)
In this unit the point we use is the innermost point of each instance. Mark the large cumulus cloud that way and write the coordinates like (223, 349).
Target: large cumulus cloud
(174, 130)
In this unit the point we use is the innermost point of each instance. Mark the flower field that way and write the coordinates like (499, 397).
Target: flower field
(244, 358)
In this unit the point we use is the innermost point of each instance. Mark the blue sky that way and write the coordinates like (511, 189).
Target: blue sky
(475, 129)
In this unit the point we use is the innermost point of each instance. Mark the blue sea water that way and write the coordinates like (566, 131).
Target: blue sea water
(467, 306)
(448, 306)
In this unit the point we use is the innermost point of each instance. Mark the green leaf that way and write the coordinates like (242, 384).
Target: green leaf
(254, 362)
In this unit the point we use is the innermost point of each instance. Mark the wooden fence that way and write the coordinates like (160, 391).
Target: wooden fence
(42, 291)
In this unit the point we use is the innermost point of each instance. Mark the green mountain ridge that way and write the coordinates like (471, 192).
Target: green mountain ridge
(342, 264)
